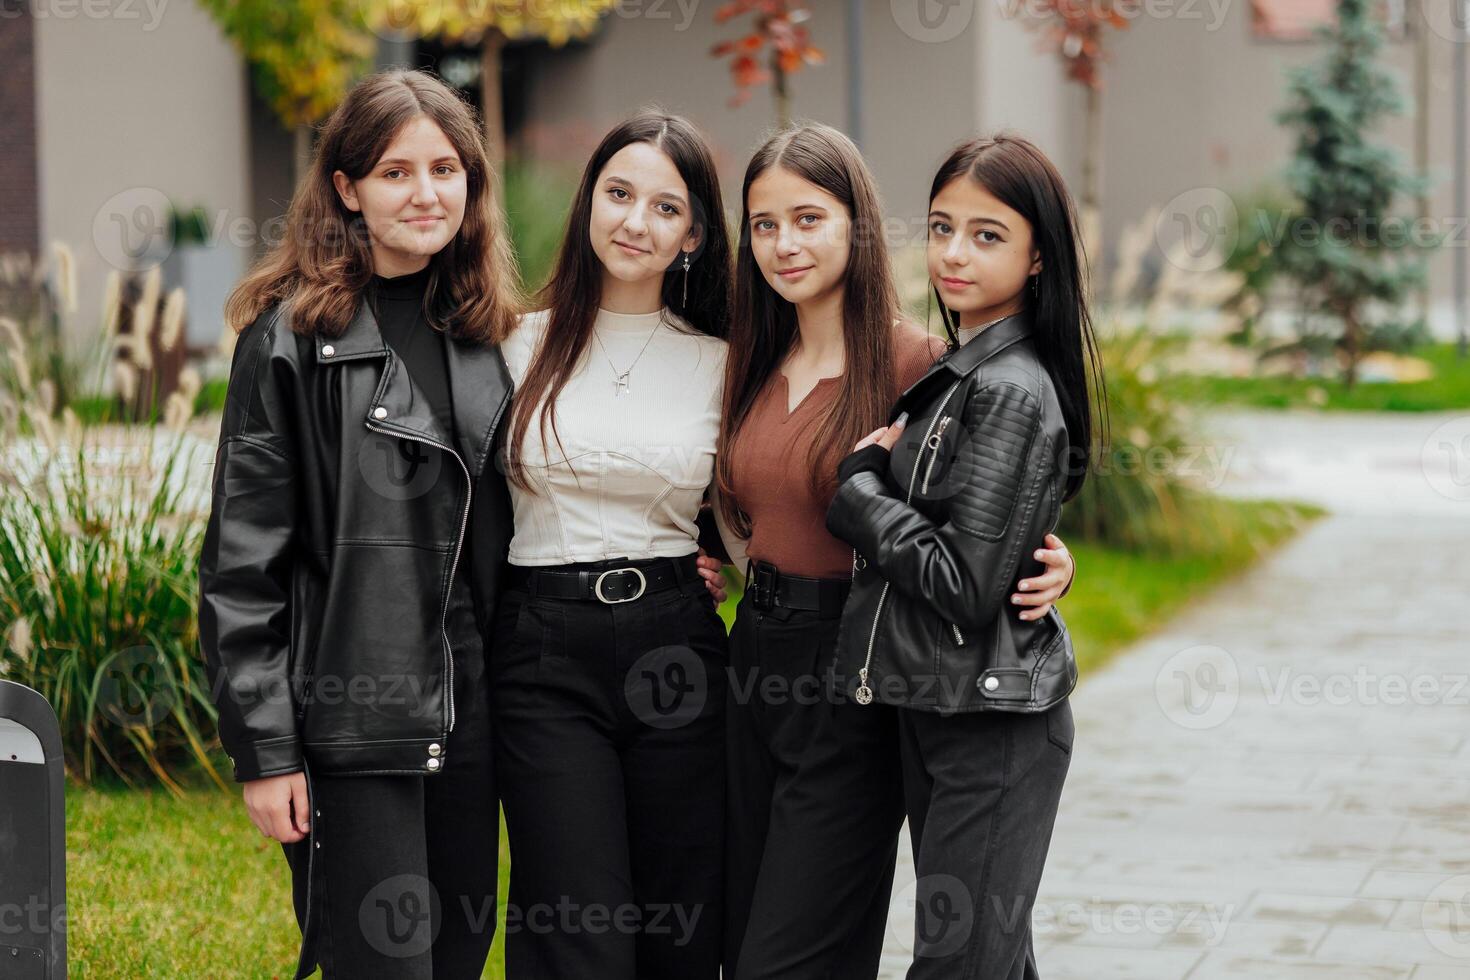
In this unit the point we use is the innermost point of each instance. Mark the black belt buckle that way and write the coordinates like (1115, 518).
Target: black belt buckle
(763, 586)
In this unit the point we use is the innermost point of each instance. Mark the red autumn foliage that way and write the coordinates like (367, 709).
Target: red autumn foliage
(1073, 29)
(777, 38)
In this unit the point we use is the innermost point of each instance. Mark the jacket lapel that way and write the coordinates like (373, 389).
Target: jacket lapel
(478, 386)
(960, 361)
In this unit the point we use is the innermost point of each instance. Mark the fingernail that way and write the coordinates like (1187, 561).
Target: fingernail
(1038, 553)
(902, 420)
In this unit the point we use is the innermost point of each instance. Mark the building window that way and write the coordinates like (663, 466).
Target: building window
(1298, 20)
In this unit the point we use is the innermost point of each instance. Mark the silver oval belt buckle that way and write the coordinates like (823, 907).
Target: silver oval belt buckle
(642, 585)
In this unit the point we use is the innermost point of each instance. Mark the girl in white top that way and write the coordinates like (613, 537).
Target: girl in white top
(637, 422)
(607, 657)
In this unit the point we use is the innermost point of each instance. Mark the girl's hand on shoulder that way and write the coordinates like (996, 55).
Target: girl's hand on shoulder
(1040, 592)
(278, 807)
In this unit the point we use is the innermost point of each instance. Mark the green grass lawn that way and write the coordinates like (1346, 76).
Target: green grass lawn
(1449, 389)
(165, 887)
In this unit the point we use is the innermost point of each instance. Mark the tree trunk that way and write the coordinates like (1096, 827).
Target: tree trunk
(1352, 346)
(783, 94)
(1092, 154)
(301, 151)
(490, 99)
(1419, 25)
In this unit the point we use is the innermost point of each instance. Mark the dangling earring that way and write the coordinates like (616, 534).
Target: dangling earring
(1035, 282)
(686, 281)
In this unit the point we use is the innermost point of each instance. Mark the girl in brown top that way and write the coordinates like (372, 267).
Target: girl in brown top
(818, 352)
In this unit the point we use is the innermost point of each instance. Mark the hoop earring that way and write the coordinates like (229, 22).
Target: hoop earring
(685, 301)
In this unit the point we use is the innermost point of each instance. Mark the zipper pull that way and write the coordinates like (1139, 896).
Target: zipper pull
(938, 436)
(864, 693)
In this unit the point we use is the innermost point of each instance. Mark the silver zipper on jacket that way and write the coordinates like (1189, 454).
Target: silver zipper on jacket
(864, 694)
(933, 443)
(454, 562)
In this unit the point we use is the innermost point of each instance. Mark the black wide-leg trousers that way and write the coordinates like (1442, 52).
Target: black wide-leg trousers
(816, 806)
(610, 759)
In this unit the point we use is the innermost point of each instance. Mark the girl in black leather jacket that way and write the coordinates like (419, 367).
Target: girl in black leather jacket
(357, 532)
(945, 514)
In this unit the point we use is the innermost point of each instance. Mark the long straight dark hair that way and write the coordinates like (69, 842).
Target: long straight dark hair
(1014, 170)
(573, 292)
(324, 263)
(764, 327)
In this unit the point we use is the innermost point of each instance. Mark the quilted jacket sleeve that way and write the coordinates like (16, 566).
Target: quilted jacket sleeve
(965, 566)
(245, 568)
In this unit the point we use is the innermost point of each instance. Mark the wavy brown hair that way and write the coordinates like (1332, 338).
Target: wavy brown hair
(574, 291)
(323, 264)
(764, 327)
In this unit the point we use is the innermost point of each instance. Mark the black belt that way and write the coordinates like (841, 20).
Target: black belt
(768, 587)
(615, 581)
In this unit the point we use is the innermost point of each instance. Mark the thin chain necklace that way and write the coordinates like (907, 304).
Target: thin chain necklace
(620, 384)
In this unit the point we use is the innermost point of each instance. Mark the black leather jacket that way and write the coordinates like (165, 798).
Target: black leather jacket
(945, 526)
(335, 570)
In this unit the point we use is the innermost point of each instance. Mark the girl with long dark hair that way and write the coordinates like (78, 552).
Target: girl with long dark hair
(819, 350)
(609, 660)
(945, 514)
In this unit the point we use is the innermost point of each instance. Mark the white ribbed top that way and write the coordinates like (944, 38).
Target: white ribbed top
(636, 464)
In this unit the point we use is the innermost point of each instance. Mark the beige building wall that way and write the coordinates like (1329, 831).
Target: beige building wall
(926, 85)
(919, 93)
(132, 111)
(1022, 88)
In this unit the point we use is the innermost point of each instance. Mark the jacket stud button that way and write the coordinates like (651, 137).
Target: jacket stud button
(435, 750)
(991, 683)
(432, 765)
(380, 412)
(328, 350)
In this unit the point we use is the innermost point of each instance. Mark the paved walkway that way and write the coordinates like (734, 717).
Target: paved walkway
(1277, 784)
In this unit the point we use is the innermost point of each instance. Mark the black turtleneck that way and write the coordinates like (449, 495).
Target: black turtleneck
(398, 303)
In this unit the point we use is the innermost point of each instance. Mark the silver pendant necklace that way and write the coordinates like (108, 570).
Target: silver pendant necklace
(620, 382)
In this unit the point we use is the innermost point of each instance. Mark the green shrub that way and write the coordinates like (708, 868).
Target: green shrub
(100, 532)
(536, 203)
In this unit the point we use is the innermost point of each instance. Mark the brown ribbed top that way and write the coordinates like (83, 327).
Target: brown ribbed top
(769, 465)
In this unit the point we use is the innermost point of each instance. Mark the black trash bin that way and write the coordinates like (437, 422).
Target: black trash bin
(32, 838)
